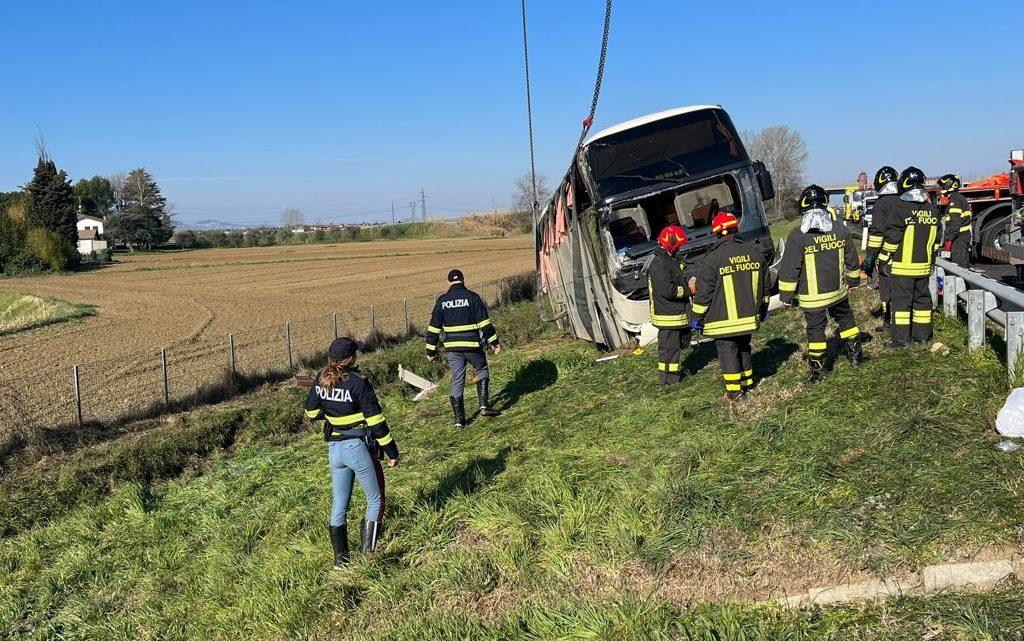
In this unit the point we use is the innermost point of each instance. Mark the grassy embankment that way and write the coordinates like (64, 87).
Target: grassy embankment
(598, 506)
(19, 312)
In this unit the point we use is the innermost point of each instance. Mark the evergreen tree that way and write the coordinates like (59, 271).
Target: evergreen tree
(52, 204)
(144, 218)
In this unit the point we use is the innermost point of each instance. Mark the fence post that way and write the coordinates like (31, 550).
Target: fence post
(975, 319)
(231, 349)
(167, 385)
(288, 336)
(373, 318)
(78, 394)
(405, 306)
(950, 291)
(335, 316)
(1014, 343)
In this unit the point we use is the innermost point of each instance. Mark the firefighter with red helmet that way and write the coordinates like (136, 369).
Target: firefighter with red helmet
(730, 302)
(670, 296)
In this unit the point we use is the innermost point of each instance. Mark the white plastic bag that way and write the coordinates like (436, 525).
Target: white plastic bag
(1010, 420)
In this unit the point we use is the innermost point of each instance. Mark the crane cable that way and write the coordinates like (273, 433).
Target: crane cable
(587, 122)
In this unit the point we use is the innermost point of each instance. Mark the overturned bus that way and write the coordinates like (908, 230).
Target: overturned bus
(596, 237)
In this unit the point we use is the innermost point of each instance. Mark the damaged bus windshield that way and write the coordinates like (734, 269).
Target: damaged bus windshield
(666, 150)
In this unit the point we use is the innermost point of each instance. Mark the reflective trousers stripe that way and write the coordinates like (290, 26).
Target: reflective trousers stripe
(901, 318)
(668, 367)
(849, 333)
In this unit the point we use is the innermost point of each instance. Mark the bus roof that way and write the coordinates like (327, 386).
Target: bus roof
(643, 120)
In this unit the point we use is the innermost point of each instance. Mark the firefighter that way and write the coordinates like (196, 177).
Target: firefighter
(669, 295)
(957, 218)
(730, 302)
(909, 247)
(357, 435)
(818, 268)
(886, 184)
(461, 324)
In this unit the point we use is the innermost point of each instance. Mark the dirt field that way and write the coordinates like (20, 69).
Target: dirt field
(190, 302)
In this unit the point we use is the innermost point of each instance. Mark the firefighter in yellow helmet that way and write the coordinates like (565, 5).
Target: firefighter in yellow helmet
(730, 302)
(670, 297)
(819, 267)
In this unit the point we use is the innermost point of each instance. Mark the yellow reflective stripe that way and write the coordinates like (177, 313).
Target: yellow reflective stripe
(484, 323)
(732, 377)
(462, 343)
(817, 346)
(460, 328)
(699, 309)
(931, 236)
(748, 373)
(314, 413)
(755, 279)
(890, 247)
(493, 339)
(965, 228)
(730, 297)
(901, 318)
(822, 300)
(433, 330)
(742, 325)
(874, 242)
(787, 286)
(918, 270)
(348, 419)
(922, 316)
(670, 367)
(386, 439)
(431, 347)
(680, 291)
(907, 255)
(853, 273)
(842, 261)
(668, 317)
(955, 210)
(733, 387)
(853, 331)
(884, 257)
(376, 419)
(811, 265)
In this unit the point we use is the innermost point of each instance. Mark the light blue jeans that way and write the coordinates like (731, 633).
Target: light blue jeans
(350, 459)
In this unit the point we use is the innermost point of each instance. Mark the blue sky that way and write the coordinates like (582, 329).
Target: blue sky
(243, 109)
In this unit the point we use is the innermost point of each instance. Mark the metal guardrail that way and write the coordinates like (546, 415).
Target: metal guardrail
(983, 298)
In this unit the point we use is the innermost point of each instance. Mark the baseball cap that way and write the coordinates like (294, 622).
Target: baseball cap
(455, 275)
(343, 347)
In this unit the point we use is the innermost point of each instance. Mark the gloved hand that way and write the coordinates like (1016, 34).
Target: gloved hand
(765, 314)
(948, 246)
(697, 324)
(869, 264)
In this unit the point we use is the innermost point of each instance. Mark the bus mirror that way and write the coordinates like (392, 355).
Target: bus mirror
(764, 181)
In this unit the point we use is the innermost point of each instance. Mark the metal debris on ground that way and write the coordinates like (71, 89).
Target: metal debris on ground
(425, 386)
(1007, 446)
(605, 359)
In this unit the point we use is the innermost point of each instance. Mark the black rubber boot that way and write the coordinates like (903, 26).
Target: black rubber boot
(368, 533)
(458, 411)
(734, 398)
(339, 541)
(483, 391)
(894, 344)
(817, 366)
(854, 351)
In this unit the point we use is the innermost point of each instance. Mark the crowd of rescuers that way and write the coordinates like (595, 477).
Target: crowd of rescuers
(357, 434)
(727, 300)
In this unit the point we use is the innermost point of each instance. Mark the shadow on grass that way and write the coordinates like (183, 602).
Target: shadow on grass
(465, 479)
(535, 376)
(698, 358)
(769, 358)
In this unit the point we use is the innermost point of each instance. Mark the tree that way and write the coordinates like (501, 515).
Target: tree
(95, 195)
(134, 227)
(143, 216)
(52, 205)
(784, 153)
(523, 195)
(292, 218)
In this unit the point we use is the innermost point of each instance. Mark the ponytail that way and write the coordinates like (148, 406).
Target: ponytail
(336, 370)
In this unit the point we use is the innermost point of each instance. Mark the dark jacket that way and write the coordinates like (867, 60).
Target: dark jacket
(958, 219)
(880, 215)
(731, 289)
(818, 268)
(668, 291)
(460, 322)
(911, 239)
(350, 410)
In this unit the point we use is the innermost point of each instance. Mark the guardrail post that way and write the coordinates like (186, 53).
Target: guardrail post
(167, 385)
(933, 286)
(231, 350)
(288, 339)
(335, 315)
(78, 394)
(975, 319)
(950, 290)
(1014, 343)
(405, 307)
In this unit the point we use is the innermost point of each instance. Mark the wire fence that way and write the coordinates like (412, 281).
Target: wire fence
(187, 371)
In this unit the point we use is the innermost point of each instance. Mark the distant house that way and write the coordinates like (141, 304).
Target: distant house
(90, 234)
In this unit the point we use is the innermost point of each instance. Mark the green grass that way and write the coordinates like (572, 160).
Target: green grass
(19, 312)
(597, 506)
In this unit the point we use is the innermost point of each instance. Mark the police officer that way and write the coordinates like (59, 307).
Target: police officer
(818, 267)
(886, 184)
(730, 302)
(669, 295)
(957, 218)
(356, 435)
(460, 323)
(909, 247)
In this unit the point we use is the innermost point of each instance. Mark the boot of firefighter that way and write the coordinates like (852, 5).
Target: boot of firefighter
(458, 411)
(339, 542)
(854, 351)
(817, 366)
(369, 531)
(483, 391)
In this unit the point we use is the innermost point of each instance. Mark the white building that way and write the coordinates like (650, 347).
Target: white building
(90, 234)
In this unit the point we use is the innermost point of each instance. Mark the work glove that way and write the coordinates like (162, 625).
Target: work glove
(697, 324)
(869, 264)
(765, 314)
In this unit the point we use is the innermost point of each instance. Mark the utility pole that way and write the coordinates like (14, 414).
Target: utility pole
(423, 203)
(412, 211)
(392, 212)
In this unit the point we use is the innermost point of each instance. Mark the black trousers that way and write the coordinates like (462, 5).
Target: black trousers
(960, 251)
(884, 290)
(670, 348)
(817, 322)
(912, 309)
(736, 361)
